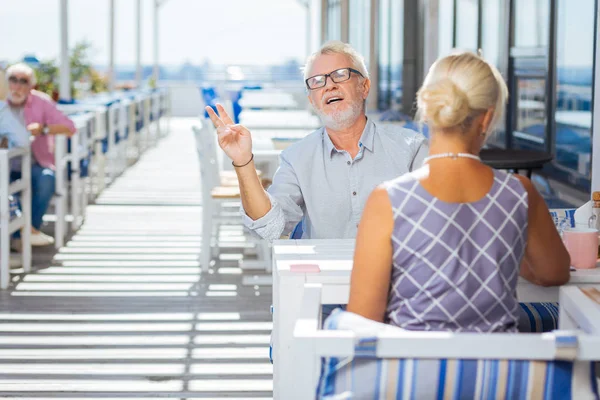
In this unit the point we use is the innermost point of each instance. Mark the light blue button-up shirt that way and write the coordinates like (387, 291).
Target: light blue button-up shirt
(327, 189)
(15, 131)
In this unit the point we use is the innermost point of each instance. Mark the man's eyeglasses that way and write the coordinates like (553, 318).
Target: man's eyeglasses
(337, 76)
(22, 81)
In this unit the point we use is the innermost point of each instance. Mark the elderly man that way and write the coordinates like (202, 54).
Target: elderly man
(38, 113)
(325, 179)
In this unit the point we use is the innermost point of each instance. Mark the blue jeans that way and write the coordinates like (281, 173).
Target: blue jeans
(43, 184)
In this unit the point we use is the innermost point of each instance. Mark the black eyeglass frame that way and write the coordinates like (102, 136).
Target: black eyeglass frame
(351, 70)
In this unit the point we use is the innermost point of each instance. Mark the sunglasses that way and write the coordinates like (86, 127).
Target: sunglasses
(22, 81)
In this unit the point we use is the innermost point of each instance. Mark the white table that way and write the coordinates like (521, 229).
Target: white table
(334, 258)
(578, 119)
(267, 100)
(280, 119)
(579, 311)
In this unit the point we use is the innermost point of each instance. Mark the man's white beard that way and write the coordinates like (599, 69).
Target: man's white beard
(340, 120)
(17, 100)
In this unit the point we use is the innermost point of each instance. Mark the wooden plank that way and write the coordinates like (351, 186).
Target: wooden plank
(123, 309)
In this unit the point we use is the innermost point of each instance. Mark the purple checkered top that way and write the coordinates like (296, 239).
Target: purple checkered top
(455, 265)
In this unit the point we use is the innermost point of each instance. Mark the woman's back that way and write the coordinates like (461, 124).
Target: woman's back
(455, 264)
(442, 248)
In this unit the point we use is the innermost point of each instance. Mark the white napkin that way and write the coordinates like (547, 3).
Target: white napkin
(583, 214)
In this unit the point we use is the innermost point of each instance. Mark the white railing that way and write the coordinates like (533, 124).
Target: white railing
(9, 226)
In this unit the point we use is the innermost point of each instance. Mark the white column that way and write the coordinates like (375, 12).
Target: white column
(373, 55)
(138, 45)
(308, 28)
(111, 47)
(64, 87)
(595, 120)
(324, 27)
(345, 20)
(155, 69)
(430, 32)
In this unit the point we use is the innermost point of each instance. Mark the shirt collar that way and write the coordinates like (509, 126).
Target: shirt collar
(366, 140)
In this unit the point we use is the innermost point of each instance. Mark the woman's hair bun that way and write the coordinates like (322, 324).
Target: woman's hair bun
(443, 104)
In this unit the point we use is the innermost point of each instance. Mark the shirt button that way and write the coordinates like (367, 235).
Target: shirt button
(348, 162)
(353, 193)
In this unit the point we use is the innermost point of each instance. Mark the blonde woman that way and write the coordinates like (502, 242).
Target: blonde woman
(440, 248)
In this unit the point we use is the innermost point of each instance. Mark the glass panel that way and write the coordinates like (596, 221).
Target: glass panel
(384, 55)
(445, 21)
(531, 23)
(360, 18)
(397, 50)
(334, 19)
(575, 40)
(530, 113)
(466, 25)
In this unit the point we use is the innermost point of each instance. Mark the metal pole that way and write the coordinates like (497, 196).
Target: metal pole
(138, 44)
(65, 64)
(155, 69)
(111, 48)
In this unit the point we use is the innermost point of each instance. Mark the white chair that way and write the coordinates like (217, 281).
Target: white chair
(427, 364)
(81, 148)
(229, 178)
(213, 194)
(23, 222)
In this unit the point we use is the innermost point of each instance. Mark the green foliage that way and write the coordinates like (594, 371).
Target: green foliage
(81, 72)
(47, 77)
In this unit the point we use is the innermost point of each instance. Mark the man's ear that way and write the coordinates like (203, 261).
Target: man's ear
(310, 100)
(366, 88)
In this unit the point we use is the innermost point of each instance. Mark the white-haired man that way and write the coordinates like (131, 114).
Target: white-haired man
(324, 180)
(37, 112)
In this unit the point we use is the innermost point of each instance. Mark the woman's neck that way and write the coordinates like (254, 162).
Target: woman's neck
(451, 143)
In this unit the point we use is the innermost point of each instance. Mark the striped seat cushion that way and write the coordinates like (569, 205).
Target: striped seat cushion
(366, 377)
(538, 317)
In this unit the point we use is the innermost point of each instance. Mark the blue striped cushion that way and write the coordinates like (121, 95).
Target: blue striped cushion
(423, 379)
(538, 317)
(367, 377)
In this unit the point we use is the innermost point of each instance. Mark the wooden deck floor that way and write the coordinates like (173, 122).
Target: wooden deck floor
(123, 310)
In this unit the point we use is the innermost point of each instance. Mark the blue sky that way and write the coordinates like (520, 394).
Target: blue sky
(223, 31)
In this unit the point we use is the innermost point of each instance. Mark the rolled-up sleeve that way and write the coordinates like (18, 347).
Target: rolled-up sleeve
(54, 116)
(287, 205)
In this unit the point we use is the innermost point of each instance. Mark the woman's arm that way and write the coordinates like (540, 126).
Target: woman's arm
(546, 260)
(371, 273)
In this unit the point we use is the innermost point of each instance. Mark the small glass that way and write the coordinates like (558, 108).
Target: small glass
(561, 224)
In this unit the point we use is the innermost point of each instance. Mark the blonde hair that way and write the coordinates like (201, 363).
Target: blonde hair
(337, 47)
(459, 87)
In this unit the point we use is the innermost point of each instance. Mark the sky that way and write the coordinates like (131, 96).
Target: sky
(222, 31)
